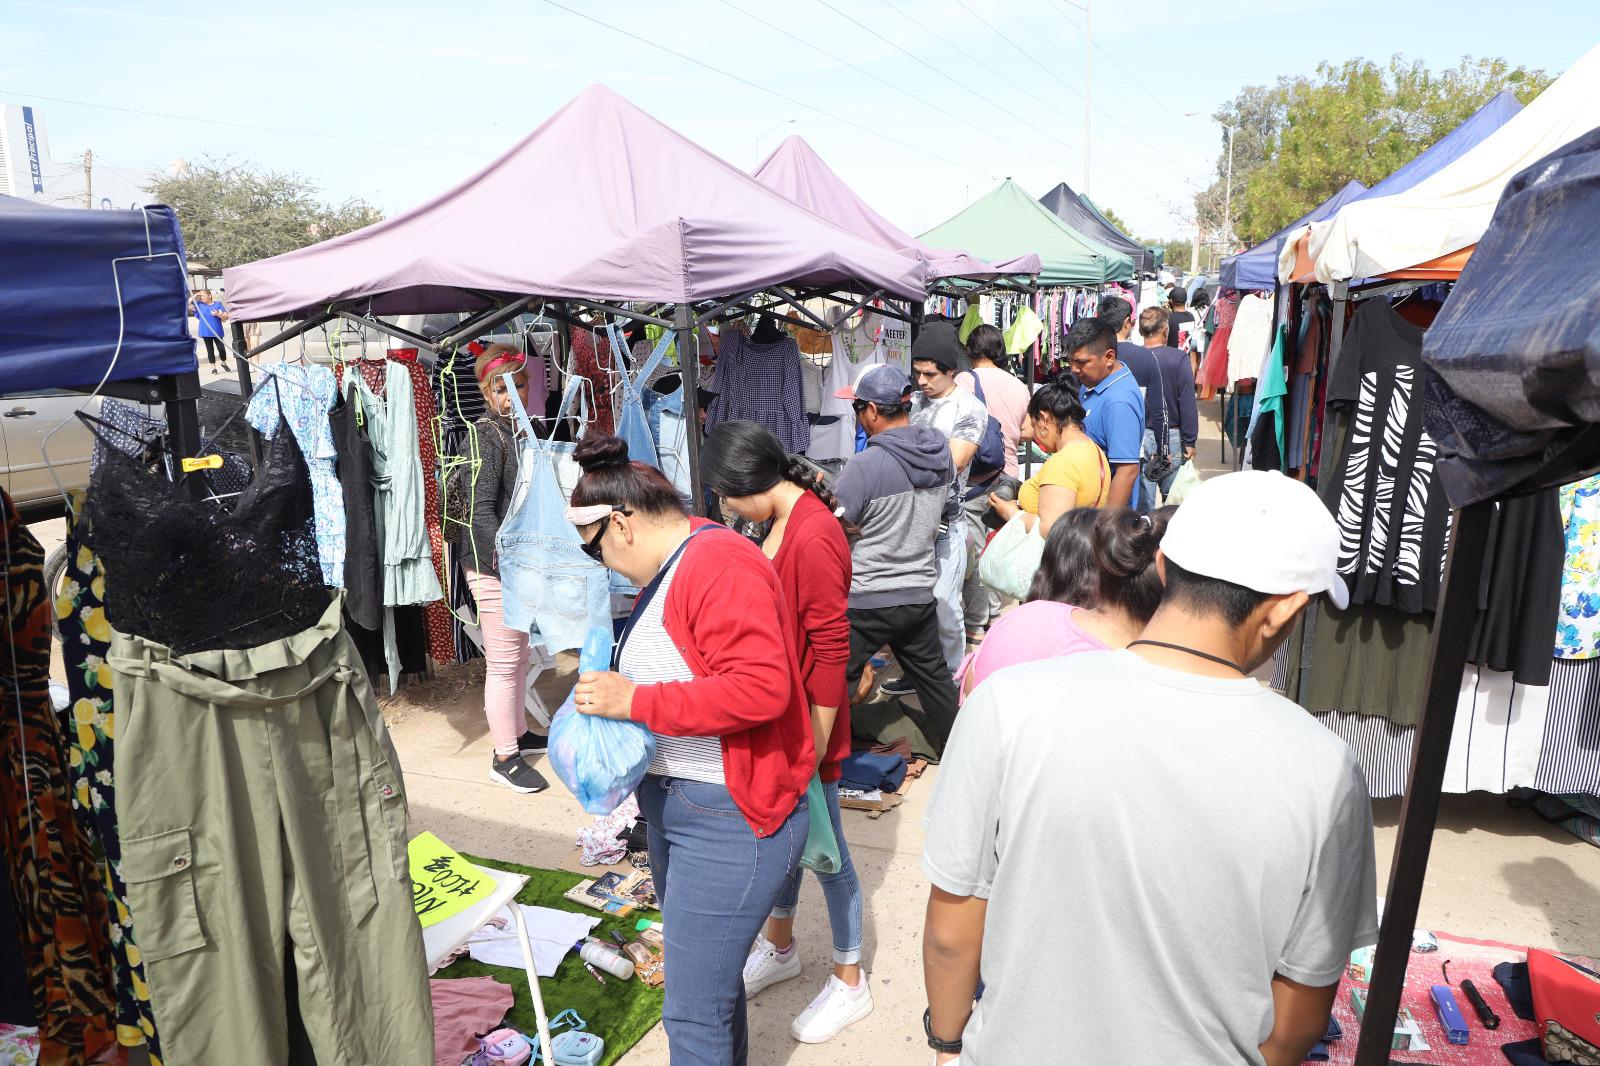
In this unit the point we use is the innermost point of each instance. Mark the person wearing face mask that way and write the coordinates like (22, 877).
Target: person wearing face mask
(707, 663)
(506, 653)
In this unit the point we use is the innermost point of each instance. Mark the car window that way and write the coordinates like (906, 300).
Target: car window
(36, 393)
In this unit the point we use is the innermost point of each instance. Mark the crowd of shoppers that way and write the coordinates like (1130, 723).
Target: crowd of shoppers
(1119, 692)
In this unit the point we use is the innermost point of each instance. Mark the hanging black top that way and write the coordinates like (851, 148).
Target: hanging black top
(195, 576)
(1514, 357)
(1392, 524)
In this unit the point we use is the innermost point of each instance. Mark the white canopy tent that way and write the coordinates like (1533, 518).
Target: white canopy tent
(1451, 209)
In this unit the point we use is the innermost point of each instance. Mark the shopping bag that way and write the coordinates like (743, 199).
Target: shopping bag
(601, 760)
(1186, 481)
(1011, 559)
(822, 847)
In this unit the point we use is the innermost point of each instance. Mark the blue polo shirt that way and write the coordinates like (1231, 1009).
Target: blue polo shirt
(1114, 419)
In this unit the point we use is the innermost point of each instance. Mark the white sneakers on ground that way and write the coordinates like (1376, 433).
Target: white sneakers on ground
(766, 965)
(836, 1008)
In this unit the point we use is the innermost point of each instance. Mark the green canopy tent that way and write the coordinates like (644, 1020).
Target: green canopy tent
(1008, 223)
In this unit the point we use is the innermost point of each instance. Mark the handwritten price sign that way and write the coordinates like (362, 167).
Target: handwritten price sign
(442, 882)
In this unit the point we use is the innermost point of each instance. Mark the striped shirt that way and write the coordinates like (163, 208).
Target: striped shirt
(649, 657)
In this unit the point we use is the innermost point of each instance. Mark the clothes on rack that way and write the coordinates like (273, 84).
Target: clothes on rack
(263, 824)
(1578, 622)
(59, 903)
(301, 396)
(89, 727)
(363, 561)
(1251, 336)
(591, 359)
(1392, 520)
(141, 433)
(760, 383)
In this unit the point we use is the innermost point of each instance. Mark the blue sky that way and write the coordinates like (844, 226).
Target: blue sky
(928, 102)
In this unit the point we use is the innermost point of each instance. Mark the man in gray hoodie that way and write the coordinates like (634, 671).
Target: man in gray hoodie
(894, 492)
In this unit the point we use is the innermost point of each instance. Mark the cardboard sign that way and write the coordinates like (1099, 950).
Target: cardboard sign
(442, 882)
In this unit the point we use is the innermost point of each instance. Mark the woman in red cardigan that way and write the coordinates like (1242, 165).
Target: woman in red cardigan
(707, 662)
(747, 466)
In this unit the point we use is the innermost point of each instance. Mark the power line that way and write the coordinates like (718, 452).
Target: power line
(953, 81)
(1064, 84)
(244, 125)
(1055, 5)
(760, 88)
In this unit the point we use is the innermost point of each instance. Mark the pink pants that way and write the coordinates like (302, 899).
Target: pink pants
(506, 651)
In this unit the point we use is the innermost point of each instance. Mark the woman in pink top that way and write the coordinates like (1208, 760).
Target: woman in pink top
(1096, 588)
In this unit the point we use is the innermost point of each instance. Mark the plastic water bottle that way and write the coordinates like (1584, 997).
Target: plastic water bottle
(595, 655)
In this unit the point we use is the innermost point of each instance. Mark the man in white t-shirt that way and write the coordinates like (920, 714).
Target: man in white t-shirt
(1172, 863)
(962, 418)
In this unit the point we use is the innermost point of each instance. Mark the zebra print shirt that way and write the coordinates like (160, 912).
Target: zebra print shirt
(1393, 522)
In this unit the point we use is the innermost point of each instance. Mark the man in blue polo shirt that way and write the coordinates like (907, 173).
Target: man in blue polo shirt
(1112, 402)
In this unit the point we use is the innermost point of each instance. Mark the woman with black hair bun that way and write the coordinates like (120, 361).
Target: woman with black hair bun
(707, 663)
(747, 466)
(1075, 475)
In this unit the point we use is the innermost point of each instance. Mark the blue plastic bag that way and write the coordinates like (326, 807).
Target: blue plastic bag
(601, 760)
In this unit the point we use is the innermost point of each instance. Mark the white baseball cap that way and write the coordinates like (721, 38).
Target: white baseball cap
(1259, 529)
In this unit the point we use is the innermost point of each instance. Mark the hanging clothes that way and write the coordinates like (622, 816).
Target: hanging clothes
(435, 614)
(399, 505)
(1392, 521)
(363, 563)
(89, 726)
(139, 433)
(856, 346)
(761, 383)
(1250, 338)
(1266, 424)
(1578, 622)
(591, 360)
(302, 396)
(263, 824)
(257, 563)
(1519, 590)
(59, 903)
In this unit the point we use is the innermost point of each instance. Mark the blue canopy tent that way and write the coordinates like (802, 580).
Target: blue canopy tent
(1256, 269)
(73, 283)
(98, 301)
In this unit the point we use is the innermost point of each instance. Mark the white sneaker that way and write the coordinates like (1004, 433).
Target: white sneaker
(765, 966)
(836, 1008)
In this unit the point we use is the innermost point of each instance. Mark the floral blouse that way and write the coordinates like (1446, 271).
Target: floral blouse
(1578, 624)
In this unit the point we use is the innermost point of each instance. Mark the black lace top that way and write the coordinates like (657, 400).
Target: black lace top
(195, 575)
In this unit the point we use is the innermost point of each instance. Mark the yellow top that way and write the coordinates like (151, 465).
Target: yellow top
(1080, 466)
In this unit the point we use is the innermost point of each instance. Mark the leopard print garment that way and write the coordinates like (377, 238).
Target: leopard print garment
(60, 904)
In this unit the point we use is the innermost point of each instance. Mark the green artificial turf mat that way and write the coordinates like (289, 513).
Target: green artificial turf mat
(619, 1012)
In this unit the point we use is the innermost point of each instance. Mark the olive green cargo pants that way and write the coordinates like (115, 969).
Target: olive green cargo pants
(263, 828)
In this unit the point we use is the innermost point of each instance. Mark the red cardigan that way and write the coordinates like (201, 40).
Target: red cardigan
(727, 615)
(813, 565)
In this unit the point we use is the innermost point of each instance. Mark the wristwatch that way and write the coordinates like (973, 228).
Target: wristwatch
(948, 1047)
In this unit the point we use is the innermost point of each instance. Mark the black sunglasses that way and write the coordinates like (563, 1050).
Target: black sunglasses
(592, 547)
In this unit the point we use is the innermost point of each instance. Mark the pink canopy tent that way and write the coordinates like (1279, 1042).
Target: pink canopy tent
(798, 172)
(602, 202)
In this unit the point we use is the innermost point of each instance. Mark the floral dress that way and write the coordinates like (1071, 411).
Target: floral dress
(1578, 623)
(90, 731)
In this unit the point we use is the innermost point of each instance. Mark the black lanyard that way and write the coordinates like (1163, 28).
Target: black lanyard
(647, 594)
(1219, 660)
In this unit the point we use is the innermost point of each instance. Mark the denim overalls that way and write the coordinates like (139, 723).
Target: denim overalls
(550, 589)
(653, 423)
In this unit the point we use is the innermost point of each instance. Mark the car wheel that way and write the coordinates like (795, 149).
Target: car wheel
(55, 570)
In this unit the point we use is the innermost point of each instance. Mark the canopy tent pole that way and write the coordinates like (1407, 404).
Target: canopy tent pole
(303, 326)
(246, 389)
(484, 322)
(1419, 813)
(378, 325)
(689, 365)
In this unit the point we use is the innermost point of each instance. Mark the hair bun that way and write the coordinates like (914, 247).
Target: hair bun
(1065, 379)
(601, 451)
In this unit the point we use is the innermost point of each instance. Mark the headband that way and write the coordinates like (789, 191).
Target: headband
(508, 357)
(588, 516)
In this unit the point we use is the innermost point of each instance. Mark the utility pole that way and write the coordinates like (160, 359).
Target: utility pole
(1194, 247)
(1227, 193)
(88, 177)
(1088, 86)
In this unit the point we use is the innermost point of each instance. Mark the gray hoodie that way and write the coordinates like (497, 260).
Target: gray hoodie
(895, 492)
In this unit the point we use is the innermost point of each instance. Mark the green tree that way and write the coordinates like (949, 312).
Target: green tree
(234, 213)
(1300, 141)
(1114, 218)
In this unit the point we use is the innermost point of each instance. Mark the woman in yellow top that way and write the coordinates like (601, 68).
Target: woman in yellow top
(1075, 475)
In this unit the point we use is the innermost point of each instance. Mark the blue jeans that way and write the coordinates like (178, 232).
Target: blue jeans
(1147, 488)
(842, 891)
(717, 882)
(951, 552)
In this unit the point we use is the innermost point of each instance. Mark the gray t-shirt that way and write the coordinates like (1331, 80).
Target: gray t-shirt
(1154, 846)
(959, 415)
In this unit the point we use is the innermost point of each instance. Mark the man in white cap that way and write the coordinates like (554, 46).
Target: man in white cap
(1147, 855)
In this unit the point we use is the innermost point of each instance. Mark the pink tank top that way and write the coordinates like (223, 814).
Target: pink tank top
(1042, 629)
